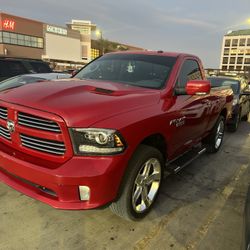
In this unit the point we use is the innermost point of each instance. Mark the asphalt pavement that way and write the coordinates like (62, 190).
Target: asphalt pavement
(201, 207)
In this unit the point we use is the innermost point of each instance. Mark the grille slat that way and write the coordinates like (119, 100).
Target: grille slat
(3, 113)
(38, 123)
(43, 145)
(4, 132)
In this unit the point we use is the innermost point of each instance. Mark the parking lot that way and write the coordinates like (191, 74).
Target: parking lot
(199, 208)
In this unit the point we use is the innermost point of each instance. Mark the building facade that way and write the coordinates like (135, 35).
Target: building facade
(235, 54)
(85, 28)
(64, 48)
(20, 37)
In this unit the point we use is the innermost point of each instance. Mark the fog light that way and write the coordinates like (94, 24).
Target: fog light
(84, 193)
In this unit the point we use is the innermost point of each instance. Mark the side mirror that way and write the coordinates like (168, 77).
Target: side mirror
(198, 87)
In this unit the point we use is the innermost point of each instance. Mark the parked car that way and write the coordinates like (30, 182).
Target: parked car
(106, 136)
(241, 101)
(10, 67)
(16, 81)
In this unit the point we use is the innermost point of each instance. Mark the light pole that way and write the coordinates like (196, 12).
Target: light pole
(99, 34)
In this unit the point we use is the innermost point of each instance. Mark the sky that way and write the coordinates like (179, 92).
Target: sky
(191, 26)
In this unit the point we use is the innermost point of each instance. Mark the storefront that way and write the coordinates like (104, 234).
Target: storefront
(20, 37)
(62, 47)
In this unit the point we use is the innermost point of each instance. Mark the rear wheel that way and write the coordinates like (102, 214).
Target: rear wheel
(141, 185)
(214, 140)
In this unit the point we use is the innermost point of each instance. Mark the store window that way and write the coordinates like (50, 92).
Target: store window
(21, 40)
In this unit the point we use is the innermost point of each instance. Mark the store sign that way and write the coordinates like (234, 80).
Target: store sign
(57, 30)
(8, 24)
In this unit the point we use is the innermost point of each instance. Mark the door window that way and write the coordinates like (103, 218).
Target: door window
(190, 70)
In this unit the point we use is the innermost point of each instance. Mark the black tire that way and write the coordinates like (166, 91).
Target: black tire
(214, 141)
(234, 126)
(245, 117)
(135, 182)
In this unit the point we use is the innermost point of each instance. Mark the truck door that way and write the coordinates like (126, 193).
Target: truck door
(191, 112)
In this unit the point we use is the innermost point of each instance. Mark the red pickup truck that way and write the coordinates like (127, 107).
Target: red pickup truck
(106, 136)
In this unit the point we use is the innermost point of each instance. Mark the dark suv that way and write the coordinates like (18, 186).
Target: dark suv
(241, 101)
(10, 67)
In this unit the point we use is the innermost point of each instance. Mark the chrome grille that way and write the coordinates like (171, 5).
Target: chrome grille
(32, 121)
(43, 145)
(3, 113)
(4, 132)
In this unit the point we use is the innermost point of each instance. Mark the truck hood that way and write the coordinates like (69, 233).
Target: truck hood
(81, 103)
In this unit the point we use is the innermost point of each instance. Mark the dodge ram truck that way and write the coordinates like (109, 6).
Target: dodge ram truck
(106, 136)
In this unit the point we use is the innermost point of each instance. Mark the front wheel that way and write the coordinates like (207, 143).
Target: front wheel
(142, 183)
(214, 140)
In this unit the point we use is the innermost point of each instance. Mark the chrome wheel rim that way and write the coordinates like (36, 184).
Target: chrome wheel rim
(219, 134)
(146, 185)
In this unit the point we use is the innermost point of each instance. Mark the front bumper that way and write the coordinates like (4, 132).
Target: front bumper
(59, 187)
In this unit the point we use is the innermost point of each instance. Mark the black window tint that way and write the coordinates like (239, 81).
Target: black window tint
(12, 68)
(40, 67)
(190, 70)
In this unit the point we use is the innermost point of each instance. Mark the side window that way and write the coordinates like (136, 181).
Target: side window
(16, 68)
(40, 67)
(190, 70)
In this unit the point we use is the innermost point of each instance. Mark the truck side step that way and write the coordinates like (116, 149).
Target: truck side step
(176, 165)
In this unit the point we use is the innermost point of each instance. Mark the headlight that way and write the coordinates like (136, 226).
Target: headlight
(235, 101)
(95, 141)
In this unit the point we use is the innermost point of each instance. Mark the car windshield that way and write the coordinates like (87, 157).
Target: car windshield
(219, 82)
(147, 71)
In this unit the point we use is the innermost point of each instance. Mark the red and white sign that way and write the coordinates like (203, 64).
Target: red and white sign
(8, 24)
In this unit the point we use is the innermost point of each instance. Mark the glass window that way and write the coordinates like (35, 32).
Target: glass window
(232, 60)
(242, 42)
(235, 42)
(226, 51)
(190, 70)
(239, 60)
(219, 82)
(224, 67)
(148, 71)
(248, 42)
(6, 40)
(225, 60)
(40, 67)
(247, 60)
(19, 39)
(227, 43)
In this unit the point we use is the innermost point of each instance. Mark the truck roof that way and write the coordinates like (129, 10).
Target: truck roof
(151, 52)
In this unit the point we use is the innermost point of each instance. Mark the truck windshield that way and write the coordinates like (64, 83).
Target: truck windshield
(219, 82)
(147, 71)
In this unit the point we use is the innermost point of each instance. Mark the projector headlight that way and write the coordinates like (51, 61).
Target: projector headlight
(95, 141)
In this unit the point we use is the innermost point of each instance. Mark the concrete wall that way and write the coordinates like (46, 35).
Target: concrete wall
(62, 48)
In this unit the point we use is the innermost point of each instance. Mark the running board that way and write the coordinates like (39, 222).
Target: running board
(175, 166)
